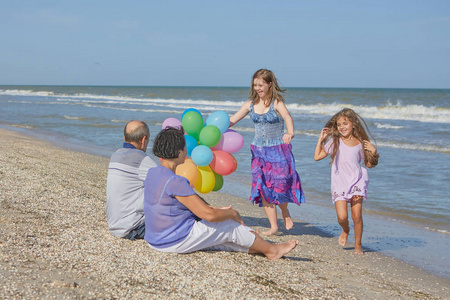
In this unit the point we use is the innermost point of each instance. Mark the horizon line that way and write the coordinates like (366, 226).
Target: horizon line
(213, 86)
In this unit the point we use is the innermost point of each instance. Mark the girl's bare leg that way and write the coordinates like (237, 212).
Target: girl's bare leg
(356, 204)
(272, 251)
(271, 212)
(342, 216)
(288, 224)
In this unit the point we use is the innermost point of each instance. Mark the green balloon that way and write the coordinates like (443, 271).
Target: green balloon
(192, 123)
(219, 182)
(209, 136)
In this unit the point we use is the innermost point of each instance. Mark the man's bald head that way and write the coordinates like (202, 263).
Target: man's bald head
(135, 132)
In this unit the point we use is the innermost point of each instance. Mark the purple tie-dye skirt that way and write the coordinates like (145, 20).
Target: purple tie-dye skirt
(274, 176)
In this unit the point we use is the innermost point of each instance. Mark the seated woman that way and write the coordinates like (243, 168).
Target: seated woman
(177, 220)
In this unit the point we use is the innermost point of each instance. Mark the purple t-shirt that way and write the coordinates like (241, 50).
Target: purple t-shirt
(167, 221)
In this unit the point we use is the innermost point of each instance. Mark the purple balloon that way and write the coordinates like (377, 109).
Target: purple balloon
(171, 122)
(230, 142)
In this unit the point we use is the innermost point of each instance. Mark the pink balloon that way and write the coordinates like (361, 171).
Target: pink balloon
(171, 122)
(230, 142)
(223, 163)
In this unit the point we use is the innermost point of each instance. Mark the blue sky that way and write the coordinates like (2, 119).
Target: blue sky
(397, 44)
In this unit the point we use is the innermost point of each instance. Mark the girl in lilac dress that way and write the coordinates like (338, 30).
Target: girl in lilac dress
(348, 146)
(274, 178)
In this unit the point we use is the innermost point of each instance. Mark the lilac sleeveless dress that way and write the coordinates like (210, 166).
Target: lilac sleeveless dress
(273, 165)
(348, 177)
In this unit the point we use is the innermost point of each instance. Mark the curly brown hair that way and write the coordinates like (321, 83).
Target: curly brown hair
(169, 142)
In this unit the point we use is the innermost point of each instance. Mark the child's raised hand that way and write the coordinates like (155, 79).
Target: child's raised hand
(368, 146)
(324, 133)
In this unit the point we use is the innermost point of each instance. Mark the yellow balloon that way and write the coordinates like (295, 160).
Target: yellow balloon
(188, 170)
(205, 180)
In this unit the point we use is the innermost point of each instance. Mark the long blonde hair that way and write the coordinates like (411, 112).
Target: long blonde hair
(275, 92)
(359, 132)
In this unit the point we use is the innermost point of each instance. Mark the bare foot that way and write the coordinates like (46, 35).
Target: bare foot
(358, 250)
(271, 231)
(288, 223)
(282, 249)
(343, 238)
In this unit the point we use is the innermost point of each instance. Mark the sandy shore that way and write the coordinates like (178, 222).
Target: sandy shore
(54, 243)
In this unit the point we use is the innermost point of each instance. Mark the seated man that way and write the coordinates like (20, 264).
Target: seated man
(125, 184)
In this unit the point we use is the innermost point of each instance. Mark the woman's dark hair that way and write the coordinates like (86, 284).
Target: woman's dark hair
(169, 142)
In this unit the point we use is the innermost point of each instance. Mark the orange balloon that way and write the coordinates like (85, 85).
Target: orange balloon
(188, 170)
(223, 163)
(235, 162)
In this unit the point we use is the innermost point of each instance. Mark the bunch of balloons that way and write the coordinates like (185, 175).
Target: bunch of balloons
(209, 146)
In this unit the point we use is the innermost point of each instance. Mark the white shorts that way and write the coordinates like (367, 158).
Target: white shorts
(228, 235)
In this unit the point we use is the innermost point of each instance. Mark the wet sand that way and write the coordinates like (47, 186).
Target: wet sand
(54, 243)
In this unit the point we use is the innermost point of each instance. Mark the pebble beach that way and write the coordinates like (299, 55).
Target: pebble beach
(55, 244)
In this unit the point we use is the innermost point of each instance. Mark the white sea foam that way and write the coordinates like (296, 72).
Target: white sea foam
(25, 93)
(419, 113)
(136, 109)
(413, 146)
(388, 126)
(387, 111)
(388, 144)
(74, 118)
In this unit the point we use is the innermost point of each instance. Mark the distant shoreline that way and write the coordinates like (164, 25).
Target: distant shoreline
(217, 86)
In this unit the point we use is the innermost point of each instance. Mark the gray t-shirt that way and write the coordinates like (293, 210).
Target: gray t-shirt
(128, 168)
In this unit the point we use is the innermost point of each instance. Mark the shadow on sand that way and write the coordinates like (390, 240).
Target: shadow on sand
(300, 228)
(371, 244)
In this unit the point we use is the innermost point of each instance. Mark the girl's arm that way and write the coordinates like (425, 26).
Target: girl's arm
(241, 113)
(281, 108)
(369, 147)
(319, 153)
(207, 212)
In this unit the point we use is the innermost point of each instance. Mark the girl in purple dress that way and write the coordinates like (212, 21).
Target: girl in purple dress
(274, 178)
(348, 145)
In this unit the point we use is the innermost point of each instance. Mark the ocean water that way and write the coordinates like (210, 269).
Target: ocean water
(407, 213)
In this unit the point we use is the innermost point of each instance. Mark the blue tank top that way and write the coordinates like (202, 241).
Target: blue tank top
(269, 127)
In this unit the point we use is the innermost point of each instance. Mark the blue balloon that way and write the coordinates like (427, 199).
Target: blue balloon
(202, 155)
(191, 143)
(188, 110)
(220, 119)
